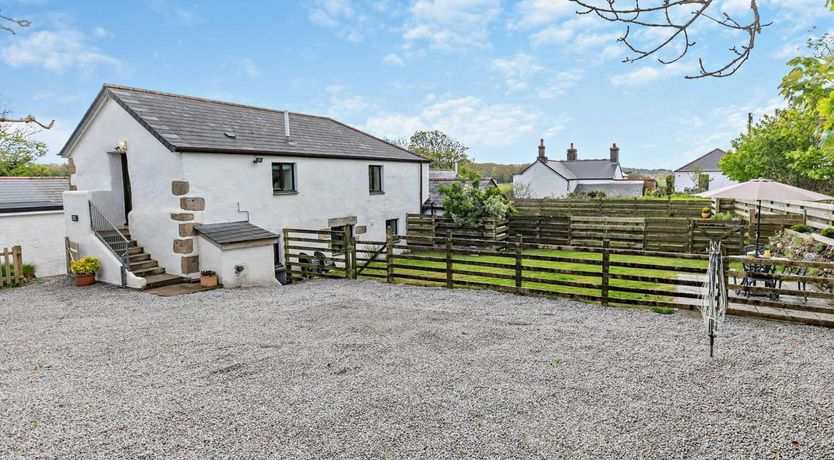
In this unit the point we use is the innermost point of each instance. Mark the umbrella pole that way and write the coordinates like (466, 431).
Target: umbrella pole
(758, 227)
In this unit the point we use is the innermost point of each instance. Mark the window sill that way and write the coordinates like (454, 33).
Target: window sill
(285, 193)
(377, 193)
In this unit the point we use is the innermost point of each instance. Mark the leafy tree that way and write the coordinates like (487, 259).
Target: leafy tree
(18, 154)
(443, 151)
(770, 149)
(466, 203)
(809, 86)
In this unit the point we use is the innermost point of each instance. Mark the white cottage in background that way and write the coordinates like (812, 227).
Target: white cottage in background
(32, 217)
(702, 173)
(547, 178)
(198, 184)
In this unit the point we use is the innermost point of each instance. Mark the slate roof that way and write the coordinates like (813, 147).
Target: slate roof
(707, 162)
(615, 189)
(438, 177)
(191, 124)
(233, 232)
(584, 169)
(20, 194)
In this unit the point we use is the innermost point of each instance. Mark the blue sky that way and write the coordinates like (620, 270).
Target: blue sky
(496, 75)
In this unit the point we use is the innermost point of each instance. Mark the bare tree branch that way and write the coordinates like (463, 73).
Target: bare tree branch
(677, 17)
(7, 24)
(28, 119)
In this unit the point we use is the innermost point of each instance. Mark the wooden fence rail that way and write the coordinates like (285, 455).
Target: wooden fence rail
(604, 274)
(612, 207)
(815, 214)
(11, 267)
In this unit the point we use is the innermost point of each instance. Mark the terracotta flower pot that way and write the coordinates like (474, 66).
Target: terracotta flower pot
(85, 280)
(208, 280)
(706, 215)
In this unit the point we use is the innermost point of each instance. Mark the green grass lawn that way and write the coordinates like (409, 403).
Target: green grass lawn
(588, 273)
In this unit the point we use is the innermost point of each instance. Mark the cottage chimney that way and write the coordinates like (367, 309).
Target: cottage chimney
(572, 154)
(615, 153)
(542, 156)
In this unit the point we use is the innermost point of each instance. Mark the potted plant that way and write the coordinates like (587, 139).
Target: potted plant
(208, 278)
(706, 212)
(85, 270)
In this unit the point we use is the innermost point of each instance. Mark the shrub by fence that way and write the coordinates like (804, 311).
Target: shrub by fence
(11, 267)
(606, 275)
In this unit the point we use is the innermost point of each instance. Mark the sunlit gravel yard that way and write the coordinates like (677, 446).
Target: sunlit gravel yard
(361, 369)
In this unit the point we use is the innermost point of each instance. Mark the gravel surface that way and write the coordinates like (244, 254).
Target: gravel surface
(361, 369)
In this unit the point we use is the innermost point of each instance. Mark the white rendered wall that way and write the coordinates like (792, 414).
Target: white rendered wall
(151, 166)
(76, 204)
(40, 236)
(258, 264)
(544, 182)
(717, 180)
(327, 188)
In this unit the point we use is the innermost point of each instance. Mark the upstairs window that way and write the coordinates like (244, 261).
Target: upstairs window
(283, 178)
(375, 178)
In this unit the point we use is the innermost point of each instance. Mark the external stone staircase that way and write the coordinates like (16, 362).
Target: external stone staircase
(144, 266)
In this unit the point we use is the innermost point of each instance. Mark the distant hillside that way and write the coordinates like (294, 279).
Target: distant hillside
(635, 173)
(500, 172)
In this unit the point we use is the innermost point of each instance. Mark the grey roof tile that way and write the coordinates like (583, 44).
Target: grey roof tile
(233, 232)
(707, 162)
(186, 123)
(616, 189)
(32, 192)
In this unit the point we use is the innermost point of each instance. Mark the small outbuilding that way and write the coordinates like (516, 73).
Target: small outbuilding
(32, 217)
(242, 254)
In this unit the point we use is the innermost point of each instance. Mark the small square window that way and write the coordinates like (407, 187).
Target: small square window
(392, 225)
(375, 178)
(283, 177)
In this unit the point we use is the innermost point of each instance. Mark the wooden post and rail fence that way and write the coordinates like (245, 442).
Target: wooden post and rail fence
(607, 275)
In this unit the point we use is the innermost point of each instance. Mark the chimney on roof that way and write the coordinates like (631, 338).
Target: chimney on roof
(572, 154)
(615, 153)
(287, 126)
(542, 156)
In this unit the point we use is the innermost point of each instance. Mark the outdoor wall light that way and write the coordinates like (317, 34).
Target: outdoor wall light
(123, 145)
(258, 160)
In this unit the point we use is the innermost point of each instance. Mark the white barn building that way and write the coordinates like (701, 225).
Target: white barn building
(547, 178)
(702, 173)
(193, 182)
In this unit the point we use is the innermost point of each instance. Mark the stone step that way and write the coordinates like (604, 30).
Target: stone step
(141, 265)
(145, 272)
(139, 257)
(162, 279)
(132, 244)
(135, 250)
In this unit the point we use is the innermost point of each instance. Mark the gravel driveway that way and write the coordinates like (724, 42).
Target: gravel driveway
(361, 369)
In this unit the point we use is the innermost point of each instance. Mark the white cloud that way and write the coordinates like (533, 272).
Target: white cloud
(649, 74)
(394, 60)
(56, 51)
(476, 123)
(535, 13)
(340, 16)
(516, 70)
(343, 103)
(173, 12)
(248, 67)
(101, 32)
(558, 83)
(447, 24)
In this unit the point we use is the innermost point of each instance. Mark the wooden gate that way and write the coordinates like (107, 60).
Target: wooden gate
(11, 267)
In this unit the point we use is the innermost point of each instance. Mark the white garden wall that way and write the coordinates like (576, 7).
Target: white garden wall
(40, 236)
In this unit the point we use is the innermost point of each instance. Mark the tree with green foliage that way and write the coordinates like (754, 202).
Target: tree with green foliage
(809, 86)
(18, 153)
(466, 203)
(443, 151)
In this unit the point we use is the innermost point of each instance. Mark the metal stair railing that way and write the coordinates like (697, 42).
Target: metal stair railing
(112, 237)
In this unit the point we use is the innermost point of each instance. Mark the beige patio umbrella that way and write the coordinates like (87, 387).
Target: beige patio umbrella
(764, 189)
